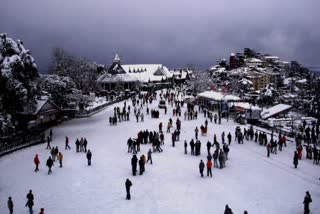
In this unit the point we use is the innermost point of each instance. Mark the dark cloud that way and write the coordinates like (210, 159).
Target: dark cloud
(171, 32)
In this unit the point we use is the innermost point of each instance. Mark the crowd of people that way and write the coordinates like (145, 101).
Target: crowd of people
(217, 152)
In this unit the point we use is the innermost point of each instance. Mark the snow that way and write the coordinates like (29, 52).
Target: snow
(245, 105)
(218, 96)
(274, 110)
(251, 181)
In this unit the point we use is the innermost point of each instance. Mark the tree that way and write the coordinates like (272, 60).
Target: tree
(18, 71)
(60, 89)
(268, 95)
(83, 72)
(200, 82)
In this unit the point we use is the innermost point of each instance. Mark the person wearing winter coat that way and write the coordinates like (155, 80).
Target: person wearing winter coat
(36, 162)
(229, 138)
(208, 147)
(185, 147)
(201, 168)
(48, 143)
(192, 146)
(30, 203)
(128, 186)
(307, 200)
(49, 165)
(221, 159)
(141, 165)
(196, 133)
(295, 159)
(85, 143)
(77, 145)
(215, 158)
(134, 161)
(67, 143)
(149, 156)
(228, 210)
(60, 158)
(10, 205)
(209, 168)
(41, 211)
(89, 156)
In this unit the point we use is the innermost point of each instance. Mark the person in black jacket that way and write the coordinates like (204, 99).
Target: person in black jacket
(49, 165)
(185, 147)
(134, 161)
(208, 147)
(228, 210)
(128, 186)
(201, 168)
(307, 200)
(89, 156)
(295, 159)
(10, 205)
(30, 203)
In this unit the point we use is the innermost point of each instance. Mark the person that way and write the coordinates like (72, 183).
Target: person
(85, 143)
(209, 166)
(141, 165)
(50, 134)
(201, 168)
(36, 162)
(60, 158)
(10, 205)
(77, 145)
(49, 165)
(229, 138)
(48, 143)
(89, 155)
(30, 203)
(185, 147)
(128, 186)
(307, 200)
(134, 161)
(149, 156)
(67, 143)
(295, 159)
(41, 211)
(228, 210)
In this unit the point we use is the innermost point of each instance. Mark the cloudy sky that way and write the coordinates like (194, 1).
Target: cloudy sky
(172, 32)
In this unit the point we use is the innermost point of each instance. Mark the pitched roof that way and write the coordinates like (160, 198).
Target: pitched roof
(274, 110)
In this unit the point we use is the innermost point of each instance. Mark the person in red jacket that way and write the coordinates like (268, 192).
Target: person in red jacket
(209, 167)
(36, 162)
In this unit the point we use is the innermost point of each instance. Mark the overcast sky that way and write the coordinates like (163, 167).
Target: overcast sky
(171, 32)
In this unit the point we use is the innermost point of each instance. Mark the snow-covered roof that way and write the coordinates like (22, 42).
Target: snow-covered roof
(218, 96)
(253, 60)
(274, 110)
(107, 78)
(146, 72)
(302, 81)
(245, 105)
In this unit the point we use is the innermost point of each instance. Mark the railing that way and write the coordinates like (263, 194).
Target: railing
(9, 144)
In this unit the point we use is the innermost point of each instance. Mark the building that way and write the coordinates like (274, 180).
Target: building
(253, 62)
(181, 75)
(232, 61)
(45, 113)
(128, 77)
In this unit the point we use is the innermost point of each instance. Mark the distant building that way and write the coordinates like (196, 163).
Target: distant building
(181, 75)
(253, 62)
(232, 61)
(122, 77)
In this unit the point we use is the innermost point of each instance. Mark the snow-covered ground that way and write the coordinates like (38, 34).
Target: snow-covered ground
(251, 181)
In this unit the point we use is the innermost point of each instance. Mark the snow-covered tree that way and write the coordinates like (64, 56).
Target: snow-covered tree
(83, 72)
(268, 95)
(18, 71)
(200, 82)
